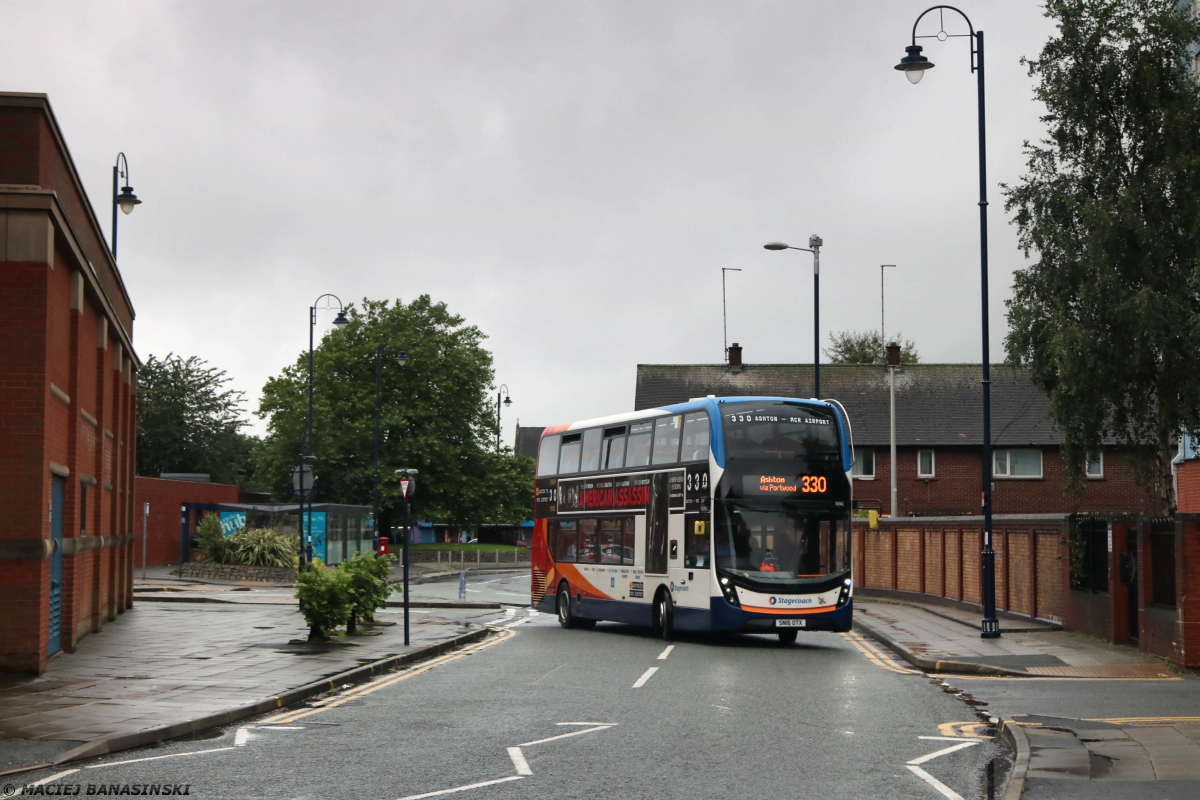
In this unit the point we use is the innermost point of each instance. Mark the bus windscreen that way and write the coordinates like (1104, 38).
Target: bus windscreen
(774, 430)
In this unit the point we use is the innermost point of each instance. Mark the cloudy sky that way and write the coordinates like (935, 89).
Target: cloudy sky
(568, 175)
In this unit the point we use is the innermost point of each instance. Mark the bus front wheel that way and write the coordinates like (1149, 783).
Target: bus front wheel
(664, 616)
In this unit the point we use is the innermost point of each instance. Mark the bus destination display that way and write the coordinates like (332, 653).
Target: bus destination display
(769, 484)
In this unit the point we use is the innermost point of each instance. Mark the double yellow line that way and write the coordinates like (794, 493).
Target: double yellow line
(374, 686)
(874, 654)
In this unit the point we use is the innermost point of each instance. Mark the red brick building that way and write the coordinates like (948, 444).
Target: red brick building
(164, 532)
(939, 435)
(67, 408)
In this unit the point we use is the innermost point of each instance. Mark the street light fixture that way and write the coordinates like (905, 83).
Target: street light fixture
(401, 359)
(339, 322)
(814, 247)
(507, 402)
(125, 199)
(914, 66)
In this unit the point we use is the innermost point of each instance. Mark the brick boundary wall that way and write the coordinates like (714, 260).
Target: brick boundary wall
(939, 557)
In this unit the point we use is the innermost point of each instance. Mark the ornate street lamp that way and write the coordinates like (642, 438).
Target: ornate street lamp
(914, 65)
(401, 359)
(125, 199)
(306, 522)
(503, 392)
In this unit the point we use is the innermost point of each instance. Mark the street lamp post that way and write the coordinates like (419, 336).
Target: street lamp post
(814, 247)
(724, 325)
(913, 65)
(502, 392)
(401, 359)
(306, 522)
(125, 199)
(408, 487)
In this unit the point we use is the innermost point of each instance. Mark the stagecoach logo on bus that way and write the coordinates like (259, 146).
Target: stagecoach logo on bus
(790, 601)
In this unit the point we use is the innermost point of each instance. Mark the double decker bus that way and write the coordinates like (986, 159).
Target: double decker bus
(719, 514)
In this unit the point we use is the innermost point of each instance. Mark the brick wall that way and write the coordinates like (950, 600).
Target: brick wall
(940, 557)
(166, 497)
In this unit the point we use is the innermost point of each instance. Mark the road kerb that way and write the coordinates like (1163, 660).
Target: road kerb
(1015, 736)
(162, 733)
(934, 665)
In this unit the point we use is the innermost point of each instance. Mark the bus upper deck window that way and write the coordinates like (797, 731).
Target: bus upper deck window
(548, 456)
(612, 452)
(637, 452)
(666, 439)
(590, 461)
(695, 437)
(568, 455)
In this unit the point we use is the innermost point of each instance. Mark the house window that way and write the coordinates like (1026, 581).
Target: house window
(864, 463)
(1095, 466)
(1017, 463)
(925, 464)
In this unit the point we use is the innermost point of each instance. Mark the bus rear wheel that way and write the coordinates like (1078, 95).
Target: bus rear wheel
(788, 636)
(565, 618)
(664, 616)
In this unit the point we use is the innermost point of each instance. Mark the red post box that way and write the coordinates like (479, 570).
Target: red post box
(383, 545)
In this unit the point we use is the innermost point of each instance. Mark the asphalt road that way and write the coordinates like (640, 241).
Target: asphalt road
(540, 712)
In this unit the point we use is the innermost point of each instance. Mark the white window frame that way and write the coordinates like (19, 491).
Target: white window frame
(1006, 472)
(856, 470)
(1087, 468)
(932, 464)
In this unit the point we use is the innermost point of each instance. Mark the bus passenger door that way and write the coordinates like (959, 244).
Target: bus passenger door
(689, 569)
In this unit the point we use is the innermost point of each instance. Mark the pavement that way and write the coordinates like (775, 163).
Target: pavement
(1091, 747)
(193, 655)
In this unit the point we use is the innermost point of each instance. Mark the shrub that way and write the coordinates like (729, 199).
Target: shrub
(265, 547)
(211, 542)
(324, 596)
(369, 588)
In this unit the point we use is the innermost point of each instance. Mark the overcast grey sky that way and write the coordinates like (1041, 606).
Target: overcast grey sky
(569, 176)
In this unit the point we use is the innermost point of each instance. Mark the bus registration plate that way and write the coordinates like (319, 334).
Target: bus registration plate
(791, 623)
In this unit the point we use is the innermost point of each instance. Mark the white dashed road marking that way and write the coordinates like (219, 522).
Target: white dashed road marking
(645, 677)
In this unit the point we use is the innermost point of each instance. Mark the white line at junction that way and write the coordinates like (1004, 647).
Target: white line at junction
(566, 735)
(463, 788)
(156, 758)
(645, 677)
(518, 759)
(663, 655)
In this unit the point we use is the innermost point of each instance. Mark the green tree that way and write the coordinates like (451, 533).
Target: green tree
(436, 415)
(867, 347)
(1108, 317)
(187, 421)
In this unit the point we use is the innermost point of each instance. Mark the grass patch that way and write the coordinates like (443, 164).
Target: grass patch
(467, 548)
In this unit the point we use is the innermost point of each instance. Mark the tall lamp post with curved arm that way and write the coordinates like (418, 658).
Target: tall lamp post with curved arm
(913, 65)
(814, 247)
(339, 322)
(501, 392)
(124, 199)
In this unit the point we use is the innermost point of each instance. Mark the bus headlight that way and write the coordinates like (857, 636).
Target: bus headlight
(730, 591)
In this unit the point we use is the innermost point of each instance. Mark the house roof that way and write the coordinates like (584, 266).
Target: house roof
(937, 405)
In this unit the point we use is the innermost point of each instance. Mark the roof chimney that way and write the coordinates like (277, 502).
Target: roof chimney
(893, 354)
(735, 357)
